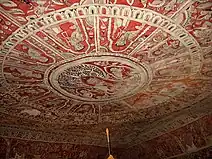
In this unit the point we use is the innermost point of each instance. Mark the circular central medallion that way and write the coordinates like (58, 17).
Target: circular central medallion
(102, 77)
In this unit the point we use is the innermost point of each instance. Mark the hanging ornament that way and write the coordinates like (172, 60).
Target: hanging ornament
(108, 141)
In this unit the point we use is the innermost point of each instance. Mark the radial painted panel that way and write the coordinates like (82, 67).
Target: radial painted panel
(102, 62)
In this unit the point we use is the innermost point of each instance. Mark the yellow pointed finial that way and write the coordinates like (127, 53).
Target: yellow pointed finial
(110, 157)
(107, 133)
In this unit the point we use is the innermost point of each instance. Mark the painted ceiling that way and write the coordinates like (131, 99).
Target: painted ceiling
(71, 68)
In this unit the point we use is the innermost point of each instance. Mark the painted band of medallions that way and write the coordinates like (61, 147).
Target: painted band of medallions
(141, 72)
(141, 15)
(157, 128)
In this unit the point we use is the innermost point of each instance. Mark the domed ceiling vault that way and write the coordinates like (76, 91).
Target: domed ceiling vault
(71, 68)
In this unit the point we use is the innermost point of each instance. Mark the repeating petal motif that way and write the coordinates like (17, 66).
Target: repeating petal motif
(80, 65)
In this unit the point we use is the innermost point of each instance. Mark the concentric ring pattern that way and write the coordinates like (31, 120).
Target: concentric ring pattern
(87, 62)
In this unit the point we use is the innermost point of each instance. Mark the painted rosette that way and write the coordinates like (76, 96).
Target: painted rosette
(98, 78)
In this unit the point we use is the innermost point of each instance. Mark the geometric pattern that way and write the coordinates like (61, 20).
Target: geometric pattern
(77, 67)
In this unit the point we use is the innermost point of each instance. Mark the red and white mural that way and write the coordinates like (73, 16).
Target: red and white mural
(77, 66)
(176, 144)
